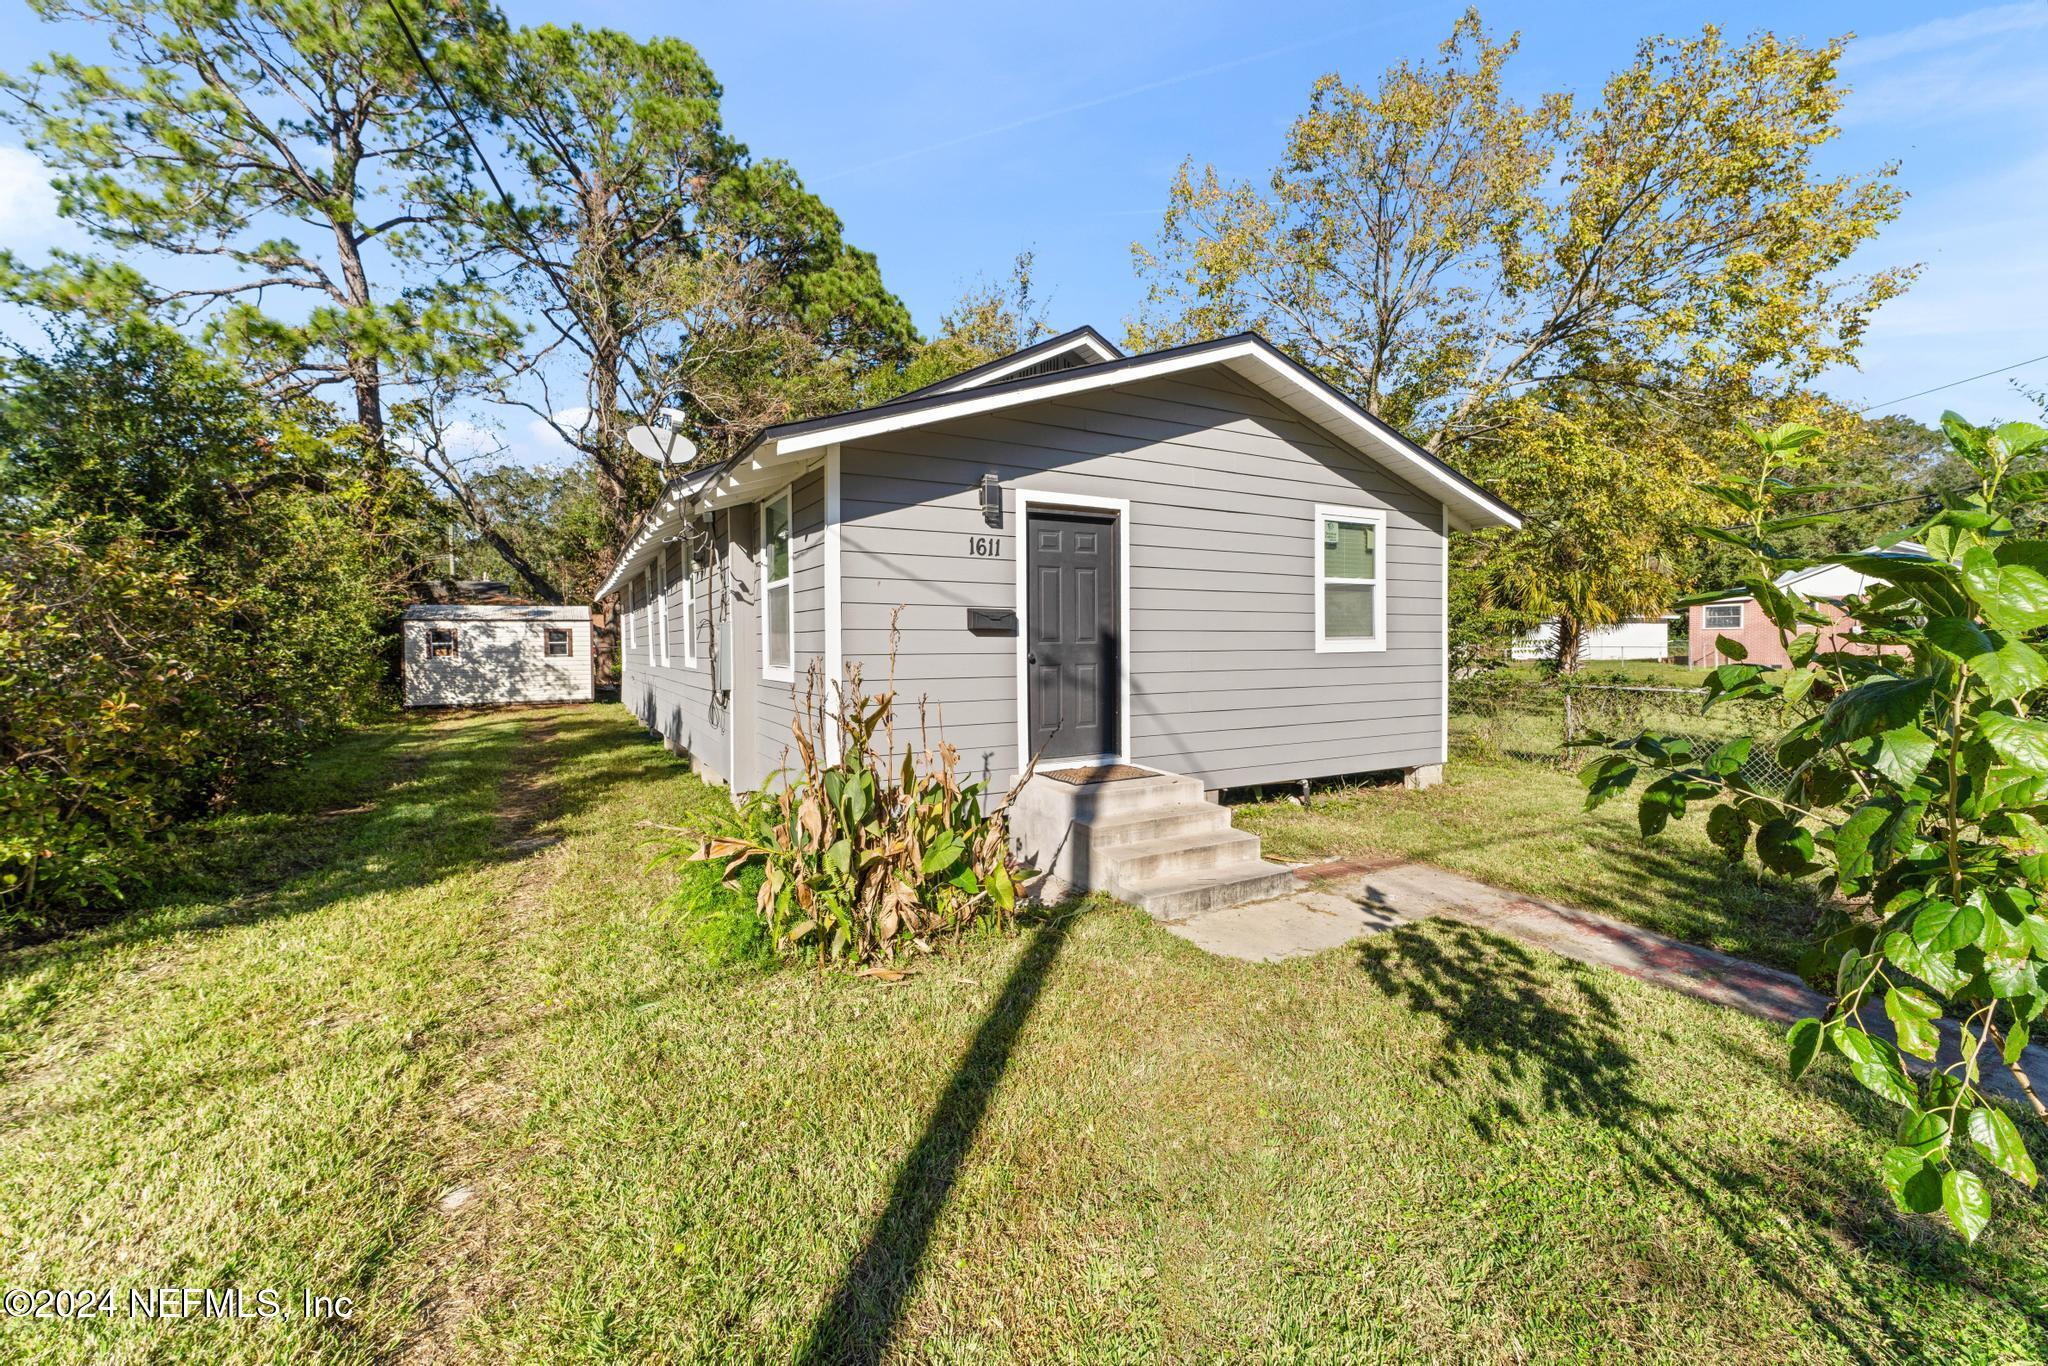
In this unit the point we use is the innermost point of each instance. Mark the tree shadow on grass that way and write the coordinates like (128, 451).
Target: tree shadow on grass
(1517, 1022)
(1512, 1023)
(1683, 891)
(856, 1325)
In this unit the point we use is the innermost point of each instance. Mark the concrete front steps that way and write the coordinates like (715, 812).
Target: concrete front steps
(1152, 841)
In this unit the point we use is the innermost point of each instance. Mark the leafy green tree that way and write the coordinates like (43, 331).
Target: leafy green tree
(1918, 796)
(1506, 280)
(1435, 247)
(668, 267)
(989, 322)
(1877, 477)
(187, 597)
(552, 519)
(219, 133)
(1598, 499)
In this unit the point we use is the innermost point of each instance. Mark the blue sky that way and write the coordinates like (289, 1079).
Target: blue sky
(951, 136)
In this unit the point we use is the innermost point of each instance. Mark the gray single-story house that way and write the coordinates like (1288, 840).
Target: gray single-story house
(1202, 562)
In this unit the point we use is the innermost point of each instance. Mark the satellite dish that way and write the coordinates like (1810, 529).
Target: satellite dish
(664, 443)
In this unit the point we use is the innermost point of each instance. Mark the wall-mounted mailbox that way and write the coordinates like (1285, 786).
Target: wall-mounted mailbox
(992, 621)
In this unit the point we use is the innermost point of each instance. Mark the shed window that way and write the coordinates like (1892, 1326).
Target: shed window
(778, 658)
(1350, 587)
(1724, 616)
(558, 644)
(440, 642)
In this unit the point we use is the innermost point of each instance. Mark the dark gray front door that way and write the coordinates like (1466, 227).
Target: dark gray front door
(1070, 644)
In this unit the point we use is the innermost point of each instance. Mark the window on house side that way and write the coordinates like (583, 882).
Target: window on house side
(689, 612)
(659, 640)
(1724, 616)
(1350, 588)
(558, 642)
(441, 642)
(778, 658)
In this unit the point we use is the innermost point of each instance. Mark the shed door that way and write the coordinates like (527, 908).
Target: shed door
(1071, 647)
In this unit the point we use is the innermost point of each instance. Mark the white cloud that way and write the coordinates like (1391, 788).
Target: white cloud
(1948, 71)
(1957, 105)
(1995, 21)
(540, 444)
(28, 203)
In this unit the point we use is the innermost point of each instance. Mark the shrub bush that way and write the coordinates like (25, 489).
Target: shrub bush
(721, 920)
(1913, 784)
(868, 855)
(188, 596)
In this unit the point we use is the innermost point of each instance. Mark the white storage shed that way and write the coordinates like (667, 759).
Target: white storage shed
(479, 654)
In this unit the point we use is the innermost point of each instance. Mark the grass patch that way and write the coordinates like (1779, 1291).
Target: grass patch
(1522, 826)
(1086, 1140)
(1617, 672)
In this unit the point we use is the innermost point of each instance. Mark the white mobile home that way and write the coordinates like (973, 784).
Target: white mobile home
(1203, 563)
(478, 654)
(1636, 638)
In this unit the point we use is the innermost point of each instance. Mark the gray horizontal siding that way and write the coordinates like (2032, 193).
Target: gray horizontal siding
(675, 700)
(1225, 681)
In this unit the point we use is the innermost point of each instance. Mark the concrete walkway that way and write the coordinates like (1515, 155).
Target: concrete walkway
(1340, 902)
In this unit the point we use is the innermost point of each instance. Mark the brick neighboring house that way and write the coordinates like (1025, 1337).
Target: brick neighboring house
(1738, 617)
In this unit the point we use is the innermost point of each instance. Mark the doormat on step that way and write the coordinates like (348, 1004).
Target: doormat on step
(1106, 773)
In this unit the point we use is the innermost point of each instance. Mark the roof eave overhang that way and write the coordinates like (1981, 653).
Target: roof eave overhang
(1469, 507)
(764, 465)
(659, 526)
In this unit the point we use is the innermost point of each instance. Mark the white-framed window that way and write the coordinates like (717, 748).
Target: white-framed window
(1723, 616)
(661, 609)
(689, 608)
(778, 649)
(653, 611)
(632, 606)
(1351, 589)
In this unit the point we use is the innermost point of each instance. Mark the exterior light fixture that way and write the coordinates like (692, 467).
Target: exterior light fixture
(991, 500)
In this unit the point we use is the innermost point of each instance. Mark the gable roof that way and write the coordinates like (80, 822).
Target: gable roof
(1829, 580)
(1903, 550)
(1068, 351)
(1247, 354)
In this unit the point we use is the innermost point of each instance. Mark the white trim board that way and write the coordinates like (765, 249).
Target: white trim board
(1053, 500)
(1376, 518)
(835, 619)
(1443, 598)
(1251, 358)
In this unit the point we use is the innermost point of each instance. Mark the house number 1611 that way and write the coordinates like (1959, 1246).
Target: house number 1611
(987, 547)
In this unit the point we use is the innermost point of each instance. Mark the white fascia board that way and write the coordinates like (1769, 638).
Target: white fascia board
(433, 611)
(1328, 410)
(857, 427)
(673, 507)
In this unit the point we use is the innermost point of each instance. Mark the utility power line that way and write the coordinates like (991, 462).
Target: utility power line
(1951, 384)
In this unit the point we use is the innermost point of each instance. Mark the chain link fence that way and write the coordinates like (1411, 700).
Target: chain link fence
(1540, 722)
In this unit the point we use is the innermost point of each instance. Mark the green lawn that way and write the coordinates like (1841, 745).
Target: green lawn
(1087, 1141)
(1523, 826)
(1621, 672)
